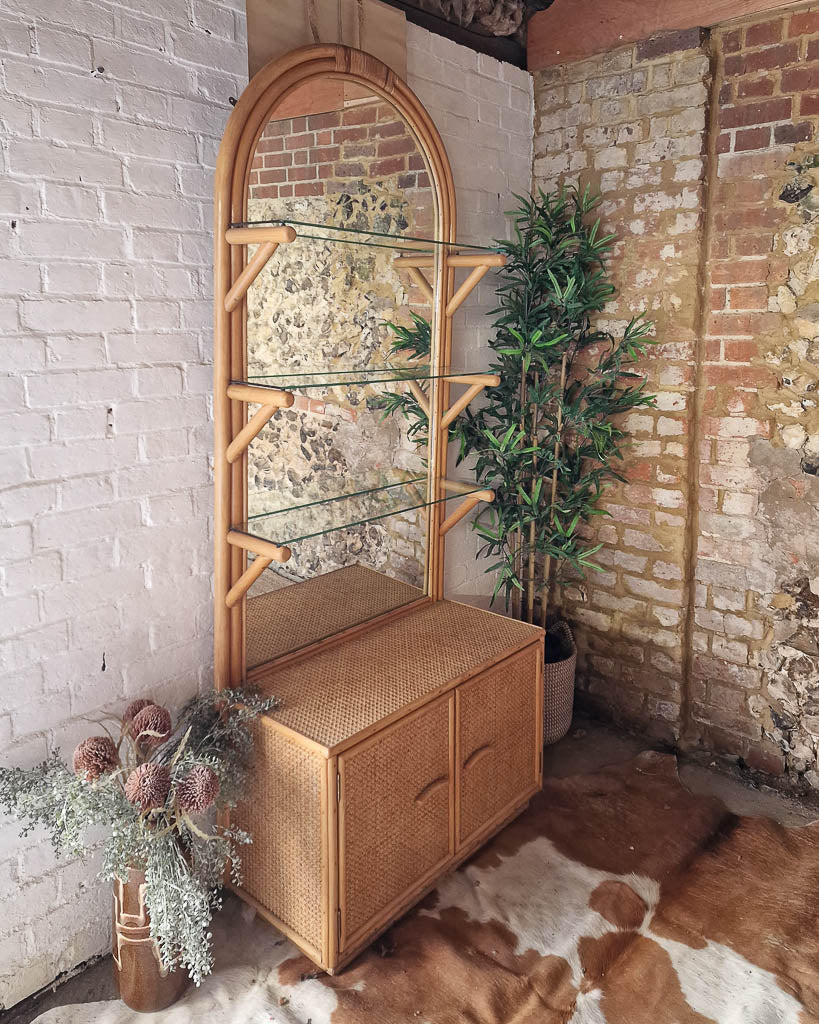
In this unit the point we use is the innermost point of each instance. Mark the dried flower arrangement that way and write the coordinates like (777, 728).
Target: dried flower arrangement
(145, 780)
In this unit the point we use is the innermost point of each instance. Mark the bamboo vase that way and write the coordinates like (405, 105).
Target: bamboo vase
(144, 983)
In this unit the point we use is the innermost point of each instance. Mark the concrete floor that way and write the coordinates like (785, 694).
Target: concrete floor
(588, 747)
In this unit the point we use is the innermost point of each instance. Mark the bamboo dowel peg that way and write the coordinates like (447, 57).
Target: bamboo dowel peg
(277, 233)
(261, 396)
(464, 509)
(469, 284)
(246, 580)
(416, 275)
(477, 259)
(455, 259)
(265, 548)
(419, 395)
(252, 270)
(417, 262)
(457, 487)
(489, 380)
(249, 431)
(461, 404)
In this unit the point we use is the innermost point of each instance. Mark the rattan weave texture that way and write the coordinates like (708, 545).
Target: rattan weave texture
(497, 723)
(282, 811)
(288, 618)
(395, 801)
(334, 694)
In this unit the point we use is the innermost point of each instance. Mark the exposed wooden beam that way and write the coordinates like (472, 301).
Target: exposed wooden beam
(499, 47)
(571, 30)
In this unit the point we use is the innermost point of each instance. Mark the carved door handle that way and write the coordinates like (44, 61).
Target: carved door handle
(477, 754)
(430, 787)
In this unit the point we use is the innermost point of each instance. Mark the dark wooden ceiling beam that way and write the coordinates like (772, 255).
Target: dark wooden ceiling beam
(500, 47)
(570, 30)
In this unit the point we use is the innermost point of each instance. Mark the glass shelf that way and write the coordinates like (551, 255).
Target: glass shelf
(263, 502)
(315, 378)
(300, 522)
(358, 236)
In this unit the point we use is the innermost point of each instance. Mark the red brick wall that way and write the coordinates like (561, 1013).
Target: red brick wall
(768, 79)
(704, 627)
(319, 153)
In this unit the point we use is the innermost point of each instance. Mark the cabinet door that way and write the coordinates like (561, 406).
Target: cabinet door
(395, 815)
(498, 741)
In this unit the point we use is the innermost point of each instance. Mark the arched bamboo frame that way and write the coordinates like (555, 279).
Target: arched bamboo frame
(257, 103)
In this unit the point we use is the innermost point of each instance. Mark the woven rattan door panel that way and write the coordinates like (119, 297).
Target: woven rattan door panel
(394, 816)
(497, 747)
(282, 867)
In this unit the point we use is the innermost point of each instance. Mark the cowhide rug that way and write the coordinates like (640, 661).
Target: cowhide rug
(617, 898)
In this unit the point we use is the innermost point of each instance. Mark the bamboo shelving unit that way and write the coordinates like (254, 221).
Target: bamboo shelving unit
(411, 725)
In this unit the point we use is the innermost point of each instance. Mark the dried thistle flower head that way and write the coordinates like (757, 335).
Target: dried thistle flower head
(151, 725)
(197, 791)
(94, 757)
(148, 785)
(134, 709)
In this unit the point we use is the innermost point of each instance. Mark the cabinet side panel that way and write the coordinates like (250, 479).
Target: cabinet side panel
(282, 811)
(498, 715)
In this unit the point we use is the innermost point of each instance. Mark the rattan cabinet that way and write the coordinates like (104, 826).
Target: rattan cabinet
(370, 802)
(410, 728)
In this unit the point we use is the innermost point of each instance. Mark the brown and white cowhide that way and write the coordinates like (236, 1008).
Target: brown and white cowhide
(617, 898)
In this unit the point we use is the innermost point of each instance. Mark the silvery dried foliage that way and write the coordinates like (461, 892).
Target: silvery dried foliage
(184, 861)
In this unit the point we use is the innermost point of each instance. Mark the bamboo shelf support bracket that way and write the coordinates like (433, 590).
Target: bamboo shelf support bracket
(466, 506)
(268, 239)
(457, 407)
(246, 580)
(249, 431)
(419, 396)
(249, 274)
(265, 548)
(418, 277)
(469, 285)
(480, 263)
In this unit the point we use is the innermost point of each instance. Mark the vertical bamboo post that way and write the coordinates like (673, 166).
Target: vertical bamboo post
(547, 568)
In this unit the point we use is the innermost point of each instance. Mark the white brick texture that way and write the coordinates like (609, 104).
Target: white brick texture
(110, 114)
(484, 110)
(110, 117)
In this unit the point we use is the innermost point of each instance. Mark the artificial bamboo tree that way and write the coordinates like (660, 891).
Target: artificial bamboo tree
(547, 438)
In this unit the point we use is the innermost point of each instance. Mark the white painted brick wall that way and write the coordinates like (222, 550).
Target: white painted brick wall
(105, 433)
(110, 116)
(484, 110)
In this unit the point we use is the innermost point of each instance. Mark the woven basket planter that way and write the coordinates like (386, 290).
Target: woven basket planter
(558, 686)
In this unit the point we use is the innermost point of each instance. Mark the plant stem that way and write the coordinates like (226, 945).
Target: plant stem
(530, 610)
(517, 603)
(547, 568)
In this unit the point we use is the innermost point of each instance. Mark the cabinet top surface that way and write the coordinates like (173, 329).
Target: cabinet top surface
(335, 694)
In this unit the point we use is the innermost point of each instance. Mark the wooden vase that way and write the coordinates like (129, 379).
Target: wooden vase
(145, 984)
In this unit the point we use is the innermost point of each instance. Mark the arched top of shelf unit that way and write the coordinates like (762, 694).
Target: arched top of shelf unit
(282, 76)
